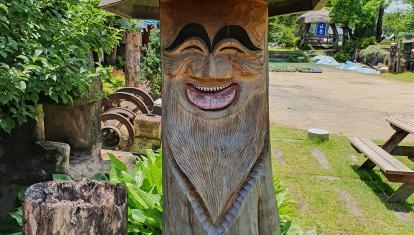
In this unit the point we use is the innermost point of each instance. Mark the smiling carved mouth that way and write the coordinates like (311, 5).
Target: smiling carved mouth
(212, 97)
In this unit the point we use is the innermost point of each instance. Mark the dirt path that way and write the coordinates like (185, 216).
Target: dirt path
(342, 102)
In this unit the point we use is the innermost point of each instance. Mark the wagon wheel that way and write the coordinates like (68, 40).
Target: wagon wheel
(144, 96)
(117, 132)
(128, 114)
(124, 100)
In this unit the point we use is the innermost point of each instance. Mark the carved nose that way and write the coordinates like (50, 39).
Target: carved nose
(211, 67)
(217, 68)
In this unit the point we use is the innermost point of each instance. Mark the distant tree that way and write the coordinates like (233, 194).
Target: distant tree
(361, 14)
(283, 30)
(399, 22)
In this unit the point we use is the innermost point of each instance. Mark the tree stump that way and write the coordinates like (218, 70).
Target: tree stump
(82, 207)
(318, 134)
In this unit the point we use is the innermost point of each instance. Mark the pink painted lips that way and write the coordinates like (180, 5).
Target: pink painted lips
(212, 98)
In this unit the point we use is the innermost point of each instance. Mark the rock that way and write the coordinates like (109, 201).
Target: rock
(26, 158)
(318, 134)
(84, 207)
(147, 133)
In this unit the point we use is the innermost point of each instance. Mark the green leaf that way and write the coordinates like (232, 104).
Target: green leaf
(17, 216)
(62, 177)
(38, 52)
(24, 58)
(138, 216)
(100, 177)
(115, 162)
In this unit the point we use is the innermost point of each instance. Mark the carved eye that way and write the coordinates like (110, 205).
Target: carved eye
(231, 48)
(192, 47)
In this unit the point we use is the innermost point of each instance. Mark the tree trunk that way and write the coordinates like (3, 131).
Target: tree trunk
(110, 59)
(132, 60)
(71, 208)
(336, 35)
(345, 37)
(379, 23)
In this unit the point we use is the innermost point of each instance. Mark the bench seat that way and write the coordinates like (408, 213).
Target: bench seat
(388, 164)
(402, 123)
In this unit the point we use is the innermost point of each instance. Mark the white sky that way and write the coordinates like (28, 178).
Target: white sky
(396, 5)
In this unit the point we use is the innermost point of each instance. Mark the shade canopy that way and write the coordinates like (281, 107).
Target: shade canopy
(315, 17)
(149, 9)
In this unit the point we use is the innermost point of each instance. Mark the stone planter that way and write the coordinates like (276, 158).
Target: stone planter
(79, 126)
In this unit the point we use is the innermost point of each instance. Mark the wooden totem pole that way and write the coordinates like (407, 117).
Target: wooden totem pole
(217, 170)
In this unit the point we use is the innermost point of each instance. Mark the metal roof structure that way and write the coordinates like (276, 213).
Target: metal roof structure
(149, 9)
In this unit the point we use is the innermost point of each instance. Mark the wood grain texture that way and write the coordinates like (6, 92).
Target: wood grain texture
(217, 170)
(84, 207)
(388, 163)
(132, 58)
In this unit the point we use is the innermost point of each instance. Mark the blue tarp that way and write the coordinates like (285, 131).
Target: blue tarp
(327, 60)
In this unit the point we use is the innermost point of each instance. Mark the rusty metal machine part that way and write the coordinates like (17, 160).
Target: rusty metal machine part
(144, 96)
(128, 114)
(125, 100)
(117, 131)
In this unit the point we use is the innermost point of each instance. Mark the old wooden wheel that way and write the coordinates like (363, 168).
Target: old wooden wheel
(124, 100)
(117, 132)
(149, 102)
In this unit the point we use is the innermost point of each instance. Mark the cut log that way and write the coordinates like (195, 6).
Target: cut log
(82, 207)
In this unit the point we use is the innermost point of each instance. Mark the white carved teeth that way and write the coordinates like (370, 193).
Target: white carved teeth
(210, 89)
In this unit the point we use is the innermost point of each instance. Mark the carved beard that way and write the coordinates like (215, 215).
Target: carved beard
(216, 155)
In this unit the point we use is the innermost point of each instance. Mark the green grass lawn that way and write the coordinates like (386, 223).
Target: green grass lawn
(290, 67)
(319, 205)
(405, 77)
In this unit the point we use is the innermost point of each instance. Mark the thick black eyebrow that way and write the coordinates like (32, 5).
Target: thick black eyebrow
(235, 32)
(192, 30)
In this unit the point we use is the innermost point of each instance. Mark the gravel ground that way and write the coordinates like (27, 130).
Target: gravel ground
(342, 102)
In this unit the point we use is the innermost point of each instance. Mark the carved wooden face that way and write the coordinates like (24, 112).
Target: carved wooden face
(216, 74)
(215, 96)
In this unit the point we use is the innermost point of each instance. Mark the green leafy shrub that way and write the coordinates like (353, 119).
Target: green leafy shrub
(286, 207)
(45, 51)
(298, 57)
(374, 51)
(151, 66)
(362, 43)
(342, 56)
(144, 186)
(113, 82)
(283, 31)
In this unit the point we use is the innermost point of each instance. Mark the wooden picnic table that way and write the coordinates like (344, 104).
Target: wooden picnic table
(382, 156)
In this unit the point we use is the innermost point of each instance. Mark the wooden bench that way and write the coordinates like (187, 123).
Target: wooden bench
(392, 168)
(399, 123)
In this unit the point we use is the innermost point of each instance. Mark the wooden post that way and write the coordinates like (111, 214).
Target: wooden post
(132, 58)
(84, 207)
(217, 174)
